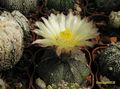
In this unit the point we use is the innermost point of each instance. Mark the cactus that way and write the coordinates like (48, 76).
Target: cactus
(109, 62)
(71, 68)
(11, 39)
(24, 6)
(60, 4)
(115, 18)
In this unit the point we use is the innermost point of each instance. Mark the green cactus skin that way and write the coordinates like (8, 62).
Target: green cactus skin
(71, 68)
(109, 62)
(61, 5)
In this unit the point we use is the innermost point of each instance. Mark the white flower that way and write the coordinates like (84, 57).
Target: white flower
(66, 33)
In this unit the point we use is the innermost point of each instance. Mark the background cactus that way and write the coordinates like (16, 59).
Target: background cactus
(109, 62)
(11, 39)
(24, 6)
(60, 4)
(115, 18)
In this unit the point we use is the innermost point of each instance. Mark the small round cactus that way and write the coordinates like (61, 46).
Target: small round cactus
(109, 62)
(115, 18)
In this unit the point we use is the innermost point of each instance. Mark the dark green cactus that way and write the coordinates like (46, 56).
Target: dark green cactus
(108, 5)
(109, 62)
(71, 68)
(60, 4)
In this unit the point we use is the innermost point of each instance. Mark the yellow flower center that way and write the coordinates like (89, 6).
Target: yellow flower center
(66, 39)
(66, 35)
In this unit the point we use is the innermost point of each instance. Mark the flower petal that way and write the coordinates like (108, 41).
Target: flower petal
(43, 42)
(42, 27)
(41, 33)
(44, 31)
(66, 33)
(61, 20)
(85, 43)
(54, 23)
(48, 25)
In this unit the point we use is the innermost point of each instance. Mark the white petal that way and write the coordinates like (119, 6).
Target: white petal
(61, 21)
(86, 43)
(38, 24)
(41, 33)
(69, 20)
(84, 28)
(43, 42)
(43, 27)
(76, 27)
(48, 25)
(37, 31)
(54, 23)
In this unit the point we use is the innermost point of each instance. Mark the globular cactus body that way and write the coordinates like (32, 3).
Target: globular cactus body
(71, 68)
(109, 62)
(60, 4)
(11, 39)
(24, 6)
(115, 19)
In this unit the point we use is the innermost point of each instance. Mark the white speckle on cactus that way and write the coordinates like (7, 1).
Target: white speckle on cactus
(113, 50)
(110, 68)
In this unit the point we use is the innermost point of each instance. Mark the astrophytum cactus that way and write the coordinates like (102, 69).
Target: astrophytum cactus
(109, 62)
(11, 38)
(24, 6)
